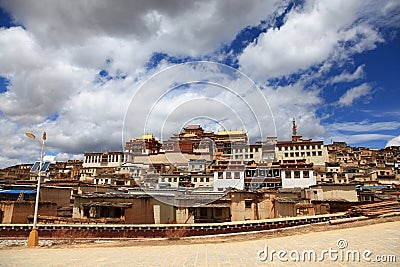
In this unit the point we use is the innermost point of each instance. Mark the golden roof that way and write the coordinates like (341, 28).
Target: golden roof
(230, 132)
(189, 135)
(147, 136)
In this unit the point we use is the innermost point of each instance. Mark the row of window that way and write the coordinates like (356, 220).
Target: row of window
(194, 180)
(254, 186)
(262, 173)
(244, 156)
(296, 174)
(303, 154)
(305, 147)
(236, 175)
(244, 150)
(98, 159)
(97, 181)
(197, 167)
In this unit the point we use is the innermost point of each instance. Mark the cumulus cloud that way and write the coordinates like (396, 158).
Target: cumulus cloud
(52, 63)
(355, 93)
(320, 31)
(394, 141)
(223, 97)
(40, 81)
(54, 59)
(177, 27)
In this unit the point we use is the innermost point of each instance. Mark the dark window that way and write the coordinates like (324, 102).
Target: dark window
(247, 204)
(218, 212)
(86, 212)
(203, 212)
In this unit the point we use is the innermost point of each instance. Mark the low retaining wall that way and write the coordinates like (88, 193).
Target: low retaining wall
(122, 231)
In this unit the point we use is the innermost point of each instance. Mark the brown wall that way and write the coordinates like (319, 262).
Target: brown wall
(285, 209)
(18, 212)
(59, 195)
(141, 212)
(266, 207)
(167, 212)
(262, 206)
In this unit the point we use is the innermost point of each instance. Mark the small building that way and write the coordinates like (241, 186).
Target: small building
(262, 176)
(186, 180)
(228, 174)
(146, 145)
(95, 164)
(345, 192)
(297, 174)
(20, 212)
(251, 205)
(18, 205)
(313, 152)
(118, 207)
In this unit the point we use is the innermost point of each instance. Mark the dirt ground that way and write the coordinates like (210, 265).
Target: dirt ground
(220, 239)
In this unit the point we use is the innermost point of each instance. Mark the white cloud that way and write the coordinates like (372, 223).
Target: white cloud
(359, 139)
(365, 126)
(355, 93)
(49, 158)
(52, 63)
(294, 101)
(358, 133)
(349, 77)
(226, 98)
(40, 80)
(53, 60)
(309, 36)
(394, 141)
(62, 157)
(177, 27)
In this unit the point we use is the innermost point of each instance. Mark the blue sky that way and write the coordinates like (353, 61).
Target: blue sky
(72, 69)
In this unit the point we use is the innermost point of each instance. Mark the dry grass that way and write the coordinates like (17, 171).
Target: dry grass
(176, 234)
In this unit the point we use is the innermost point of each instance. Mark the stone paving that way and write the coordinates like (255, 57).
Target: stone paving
(380, 239)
